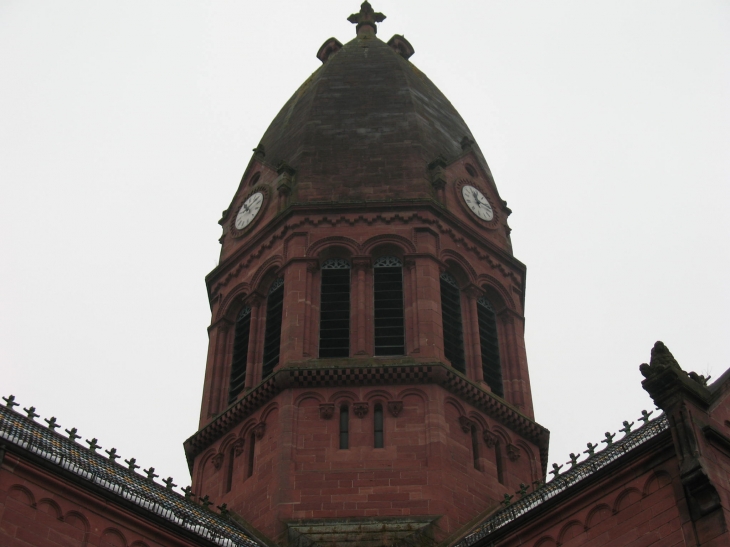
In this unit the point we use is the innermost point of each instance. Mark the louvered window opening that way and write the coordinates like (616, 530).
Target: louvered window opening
(451, 319)
(388, 316)
(240, 354)
(344, 427)
(272, 336)
(334, 319)
(378, 425)
(491, 366)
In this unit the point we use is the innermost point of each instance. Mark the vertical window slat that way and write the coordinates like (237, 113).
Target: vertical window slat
(344, 427)
(240, 354)
(272, 336)
(489, 342)
(452, 322)
(388, 316)
(334, 319)
(378, 425)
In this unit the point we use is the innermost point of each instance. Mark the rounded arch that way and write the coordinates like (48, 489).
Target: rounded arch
(308, 395)
(495, 292)
(477, 418)
(54, 508)
(628, 497)
(378, 394)
(387, 242)
(339, 396)
(112, 537)
(502, 434)
(458, 266)
(530, 455)
(413, 391)
(227, 441)
(139, 543)
(655, 481)
(266, 273)
(78, 521)
(233, 301)
(598, 514)
(20, 493)
(247, 426)
(456, 404)
(570, 530)
(320, 247)
(266, 412)
(545, 541)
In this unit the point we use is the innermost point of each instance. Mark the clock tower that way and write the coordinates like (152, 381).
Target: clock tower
(366, 374)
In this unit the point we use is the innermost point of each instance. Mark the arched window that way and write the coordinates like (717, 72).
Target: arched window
(475, 446)
(498, 460)
(388, 306)
(491, 367)
(334, 318)
(344, 427)
(378, 425)
(240, 354)
(229, 470)
(451, 319)
(272, 336)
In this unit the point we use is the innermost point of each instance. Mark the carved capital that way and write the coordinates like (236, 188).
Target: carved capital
(258, 430)
(395, 408)
(473, 291)
(513, 453)
(360, 409)
(326, 410)
(465, 424)
(238, 447)
(217, 460)
(312, 266)
(361, 263)
(490, 439)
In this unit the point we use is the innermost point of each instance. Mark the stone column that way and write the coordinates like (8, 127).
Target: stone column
(309, 329)
(472, 342)
(411, 305)
(359, 336)
(255, 340)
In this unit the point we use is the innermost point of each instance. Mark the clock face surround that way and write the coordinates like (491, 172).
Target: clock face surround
(477, 202)
(249, 210)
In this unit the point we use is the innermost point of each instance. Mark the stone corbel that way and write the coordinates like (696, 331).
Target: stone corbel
(465, 424)
(238, 447)
(360, 409)
(490, 439)
(217, 460)
(285, 180)
(513, 453)
(437, 175)
(395, 408)
(326, 411)
(258, 430)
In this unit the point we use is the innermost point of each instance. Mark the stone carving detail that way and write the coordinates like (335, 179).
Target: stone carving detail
(326, 410)
(465, 424)
(395, 408)
(513, 453)
(490, 439)
(238, 447)
(258, 430)
(360, 409)
(217, 460)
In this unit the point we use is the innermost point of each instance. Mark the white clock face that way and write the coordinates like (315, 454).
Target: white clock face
(249, 210)
(477, 202)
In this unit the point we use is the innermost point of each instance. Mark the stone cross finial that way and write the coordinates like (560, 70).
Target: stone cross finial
(523, 490)
(52, 424)
(169, 485)
(10, 401)
(150, 473)
(132, 463)
(609, 439)
(113, 454)
(366, 18)
(591, 449)
(72, 434)
(205, 501)
(93, 445)
(188, 492)
(31, 412)
(626, 428)
(573, 460)
(645, 416)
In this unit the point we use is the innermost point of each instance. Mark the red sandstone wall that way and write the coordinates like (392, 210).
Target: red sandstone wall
(636, 506)
(41, 510)
(425, 468)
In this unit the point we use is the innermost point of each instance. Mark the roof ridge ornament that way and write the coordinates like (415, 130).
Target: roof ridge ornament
(366, 18)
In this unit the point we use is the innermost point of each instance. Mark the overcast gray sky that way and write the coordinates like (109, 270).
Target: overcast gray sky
(125, 128)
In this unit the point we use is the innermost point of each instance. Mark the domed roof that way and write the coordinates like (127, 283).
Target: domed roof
(365, 125)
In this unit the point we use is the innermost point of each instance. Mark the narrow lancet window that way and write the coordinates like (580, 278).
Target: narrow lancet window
(334, 319)
(451, 319)
(240, 354)
(491, 366)
(388, 306)
(378, 423)
(499, 462)
(272, 336)
(251, 455)
(475, 446)
(229, 471)
(344, 427)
